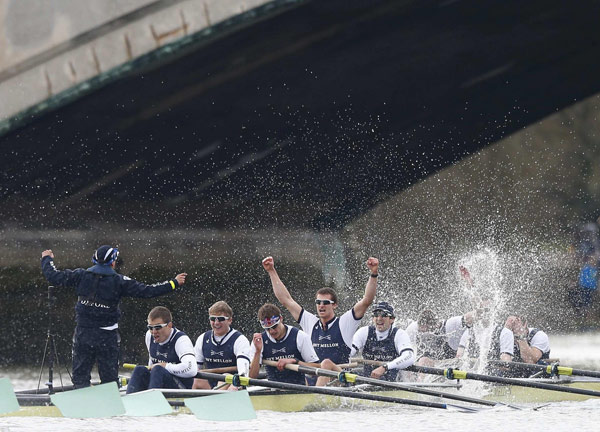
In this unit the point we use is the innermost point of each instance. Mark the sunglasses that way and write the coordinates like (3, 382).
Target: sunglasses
(381, 314)
(269, 323)
(218, 318)
(325, 302)
(157, 326)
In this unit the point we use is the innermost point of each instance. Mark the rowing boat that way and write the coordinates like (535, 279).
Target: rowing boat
(291, 401)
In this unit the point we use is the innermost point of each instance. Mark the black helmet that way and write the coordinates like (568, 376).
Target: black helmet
(105, 255)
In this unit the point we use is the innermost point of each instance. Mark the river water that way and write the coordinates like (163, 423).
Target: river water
(581, 350)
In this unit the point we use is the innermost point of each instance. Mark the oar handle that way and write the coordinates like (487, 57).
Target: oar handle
(214, 370)
(131, 366)
(289, 366)
(368, 362)
(295, 367)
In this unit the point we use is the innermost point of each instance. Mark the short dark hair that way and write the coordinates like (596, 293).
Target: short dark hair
(330, 292)
(268, 310)
(160, 312)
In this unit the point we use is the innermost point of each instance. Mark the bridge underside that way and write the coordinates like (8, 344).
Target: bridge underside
(305, 119)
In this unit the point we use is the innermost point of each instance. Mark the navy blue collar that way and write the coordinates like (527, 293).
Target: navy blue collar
(327, 324)
(101, 269)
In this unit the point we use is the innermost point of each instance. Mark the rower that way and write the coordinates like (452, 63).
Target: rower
(171, 362)
(382, 342)
(435, 339)
(331, 337)
(281, 343)
(501, 343)
(531, 345)
(222, 346)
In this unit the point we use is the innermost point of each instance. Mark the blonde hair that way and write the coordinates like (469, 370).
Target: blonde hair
(221, 308)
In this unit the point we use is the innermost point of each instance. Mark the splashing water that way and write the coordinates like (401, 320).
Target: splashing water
(482, 286)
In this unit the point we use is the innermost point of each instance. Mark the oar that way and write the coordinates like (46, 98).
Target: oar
(350, 377)
(245, 381)
(551, 369)
(215, 370)
(459, 374)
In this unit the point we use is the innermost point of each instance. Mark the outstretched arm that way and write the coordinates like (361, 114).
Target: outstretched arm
(279, 289)
(363, 304)
(58, 277)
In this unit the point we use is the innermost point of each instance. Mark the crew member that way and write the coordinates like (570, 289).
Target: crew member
(171, 362)
(331, 337)
(99, 290)
(281, 343)
(222, 346)
(384, 343)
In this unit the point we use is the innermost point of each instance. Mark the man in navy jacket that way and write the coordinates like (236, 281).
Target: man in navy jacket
(99, 290)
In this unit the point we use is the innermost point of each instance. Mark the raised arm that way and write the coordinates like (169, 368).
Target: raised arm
(279, 289)
(255, 355)
(360, 308)
(58, 277)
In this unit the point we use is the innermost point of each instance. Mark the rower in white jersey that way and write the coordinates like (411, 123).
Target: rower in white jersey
(382, 342)
(283, 344)
(500, 341)
(222, 346)
(435, 339)
(171, 362)
(532, 345)
(331, 336)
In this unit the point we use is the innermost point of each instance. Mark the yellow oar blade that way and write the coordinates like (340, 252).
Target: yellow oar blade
(8, 400)
(98, 401)
(147, 403)
(238, 406)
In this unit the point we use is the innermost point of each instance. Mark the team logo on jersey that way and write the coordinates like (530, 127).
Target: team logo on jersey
(216, 352)
(328, 337)
(282, 350)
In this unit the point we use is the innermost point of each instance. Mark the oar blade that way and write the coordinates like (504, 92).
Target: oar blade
(146, 404)
(8, 399)
(239, 407)
(91, 402)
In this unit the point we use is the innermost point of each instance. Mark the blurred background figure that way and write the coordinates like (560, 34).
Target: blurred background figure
(586, 247)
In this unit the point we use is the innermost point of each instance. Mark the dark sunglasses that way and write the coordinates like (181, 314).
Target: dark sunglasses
(381, 314)
(157, 326)
(218, 318)
(325, 302)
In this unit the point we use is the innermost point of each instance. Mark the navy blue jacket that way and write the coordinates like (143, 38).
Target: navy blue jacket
(99, 290)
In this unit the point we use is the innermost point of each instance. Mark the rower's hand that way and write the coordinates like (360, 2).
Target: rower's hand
(180, 278)
(373, 264)
(48, 252)
(257, 342)
(162, 364)
(378, 372)
(284, 361)
(268, 264)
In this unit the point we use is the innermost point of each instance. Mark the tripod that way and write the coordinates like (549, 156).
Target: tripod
(50, 351)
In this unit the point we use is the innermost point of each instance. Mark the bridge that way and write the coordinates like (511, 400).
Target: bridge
(284, 113)
(195, 128)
